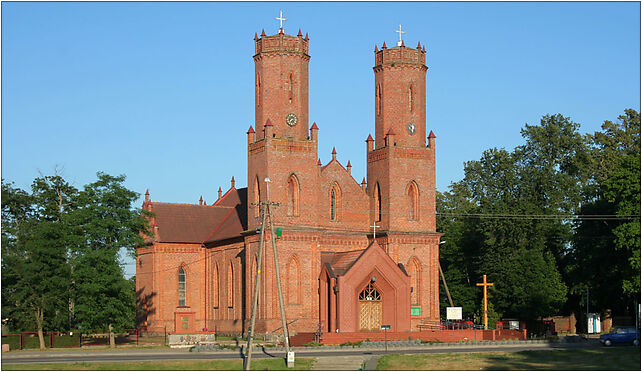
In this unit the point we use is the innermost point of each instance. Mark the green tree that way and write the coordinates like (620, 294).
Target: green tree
(35, 271)
(609, 249)
(104, 299)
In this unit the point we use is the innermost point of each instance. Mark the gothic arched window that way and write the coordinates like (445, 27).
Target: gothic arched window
(181, 287)
(378, 99)
(294, 281)
(258, 90)
(412, 201)
(410, 97)
(414, 270)
(293, 196)
(335, 202)
(215, 288)
(230, 285)
(291, 87)
(377, 202)
(257, 197)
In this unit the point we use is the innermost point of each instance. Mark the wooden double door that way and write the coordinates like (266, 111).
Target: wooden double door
(370, 309)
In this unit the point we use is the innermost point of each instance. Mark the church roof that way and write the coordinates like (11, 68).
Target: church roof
(193, 223)
(340, 262)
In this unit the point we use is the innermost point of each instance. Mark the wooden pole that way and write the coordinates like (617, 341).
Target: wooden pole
(250, 334)
(278, 285)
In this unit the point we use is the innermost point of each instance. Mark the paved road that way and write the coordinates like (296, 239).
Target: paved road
(174, 354)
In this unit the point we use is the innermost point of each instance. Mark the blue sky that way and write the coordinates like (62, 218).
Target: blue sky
(163, 92)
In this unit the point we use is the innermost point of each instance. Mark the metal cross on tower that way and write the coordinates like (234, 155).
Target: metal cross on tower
(280, 19)
(400, 32)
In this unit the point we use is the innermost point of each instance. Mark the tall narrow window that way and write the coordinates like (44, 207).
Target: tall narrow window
(181, 287)
(414, 270)
(293, 196)
(410, 97)
(291, 87)
(412, 196)
(294, 281)
(378, 99)
(257, 198)
(377, 202)
(333, 205)
(215, 290)
(230, 285)
(258, 90)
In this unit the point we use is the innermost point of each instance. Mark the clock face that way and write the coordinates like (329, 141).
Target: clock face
(412, 128)
(291, 119)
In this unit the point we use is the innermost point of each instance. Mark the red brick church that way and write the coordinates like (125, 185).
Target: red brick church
(197, 272)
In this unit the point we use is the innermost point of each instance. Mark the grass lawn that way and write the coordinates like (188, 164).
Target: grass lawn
(614, 358)
(199, 365)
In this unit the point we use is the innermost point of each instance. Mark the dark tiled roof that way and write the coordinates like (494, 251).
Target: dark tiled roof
(193, 223)
(340, 262)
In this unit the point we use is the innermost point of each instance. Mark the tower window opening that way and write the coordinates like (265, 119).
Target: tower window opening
(378, 99)
(412, 196)
(377, 202)
(293, 196)
(410, 97)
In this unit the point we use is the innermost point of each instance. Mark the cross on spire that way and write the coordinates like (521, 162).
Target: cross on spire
(400, 32)
(280, 19)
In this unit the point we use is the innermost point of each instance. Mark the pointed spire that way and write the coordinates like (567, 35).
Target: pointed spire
(147, 195)
(200, 201)
(232, 183)
(363, 184)
(204, 202)
(306, 36)
(220, 192)
(319, 162)
(334, 154)
(256, 37)
(268, 123)
(390, 132)
(419, 45)
(431, 135)
(251, 130)
(384, 45)
(369, 139)
(423, 48)
(299, 35)
(402, 44)
(376, 49)
(349, 167)
(263, 33)
(314, 126)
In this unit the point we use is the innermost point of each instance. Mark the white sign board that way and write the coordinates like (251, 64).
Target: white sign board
(290, 359)
(453, 313)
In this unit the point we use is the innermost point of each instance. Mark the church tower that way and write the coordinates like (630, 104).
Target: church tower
(282, 148)
(401, 168)
(401, 174)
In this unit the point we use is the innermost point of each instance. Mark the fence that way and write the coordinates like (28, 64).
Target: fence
(95, 338)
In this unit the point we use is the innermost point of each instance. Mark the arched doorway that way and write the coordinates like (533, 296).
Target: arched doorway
(370, 309)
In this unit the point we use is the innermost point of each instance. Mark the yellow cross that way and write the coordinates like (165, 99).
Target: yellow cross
(485, 285)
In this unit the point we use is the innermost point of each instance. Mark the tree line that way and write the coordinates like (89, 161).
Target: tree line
(547, 221)
(60, 255)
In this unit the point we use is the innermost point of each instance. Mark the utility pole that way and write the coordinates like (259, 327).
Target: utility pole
(266, 214)
(257, 282)
(443, 278)
(278, 277)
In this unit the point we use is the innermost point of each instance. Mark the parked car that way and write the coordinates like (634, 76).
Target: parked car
(621, 335)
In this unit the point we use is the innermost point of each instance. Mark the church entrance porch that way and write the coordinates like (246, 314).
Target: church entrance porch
(370, 309)
(361, 290)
